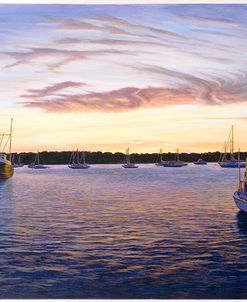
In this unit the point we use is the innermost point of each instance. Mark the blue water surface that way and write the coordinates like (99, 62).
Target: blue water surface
(109, 232)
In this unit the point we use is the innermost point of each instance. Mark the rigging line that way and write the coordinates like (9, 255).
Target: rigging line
(6, 143)
(2, 137)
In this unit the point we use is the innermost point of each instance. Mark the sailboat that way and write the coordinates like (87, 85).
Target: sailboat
(127, 164)
(160, 162)
(75, 162)
(175, 163)
(18, 164)
(231, 162)
(240, 196)
(36, 164)
(6, 168)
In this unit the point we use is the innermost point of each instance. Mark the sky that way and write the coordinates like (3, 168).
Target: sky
(104, 77)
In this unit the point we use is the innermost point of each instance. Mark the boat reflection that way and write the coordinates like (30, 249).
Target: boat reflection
(242, 222)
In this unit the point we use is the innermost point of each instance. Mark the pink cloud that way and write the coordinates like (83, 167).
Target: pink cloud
(49, 90)
(125, 99)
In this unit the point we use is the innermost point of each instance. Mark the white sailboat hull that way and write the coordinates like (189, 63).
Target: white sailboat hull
(240, 201)
(79, 166)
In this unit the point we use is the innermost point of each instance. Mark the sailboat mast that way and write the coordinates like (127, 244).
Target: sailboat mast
(10, 140)
(232, 142)
(245, 173)
(83, 157)
(78, 159)
(128, 155)
(239, 174)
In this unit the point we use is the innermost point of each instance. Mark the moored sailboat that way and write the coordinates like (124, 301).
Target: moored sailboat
(160, 162)
(175, 163)
(6, 168)
(75, 162)
(127, 164)
(17, 164)
(231, 162)
(240, 196)
(36, 164)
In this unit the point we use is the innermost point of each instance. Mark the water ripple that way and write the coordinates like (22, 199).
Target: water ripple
(111, 233)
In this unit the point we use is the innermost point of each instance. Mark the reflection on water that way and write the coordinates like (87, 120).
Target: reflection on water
(109, 232)
(242, 222)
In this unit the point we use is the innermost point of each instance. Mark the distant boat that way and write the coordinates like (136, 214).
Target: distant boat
(18, 164)
(160, 162)
(75, 162)
(231, 162)
(6, 168)
(36, 164)
(127, 163)
(240, 196)
(200, 161)
(175, 163)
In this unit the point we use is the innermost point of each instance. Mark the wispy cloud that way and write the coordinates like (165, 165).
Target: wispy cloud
(194, 90)
(209, 21)
(133, 58)
(61, 56)
(120, 100)
(51, 89)
(209, 91)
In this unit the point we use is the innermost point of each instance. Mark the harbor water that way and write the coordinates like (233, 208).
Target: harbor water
(109, 232)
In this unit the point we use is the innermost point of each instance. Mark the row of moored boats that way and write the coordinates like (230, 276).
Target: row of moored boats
(77, 161)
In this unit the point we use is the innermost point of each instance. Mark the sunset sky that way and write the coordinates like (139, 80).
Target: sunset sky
(104, 77)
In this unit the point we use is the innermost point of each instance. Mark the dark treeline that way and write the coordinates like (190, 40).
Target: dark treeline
(61, 158)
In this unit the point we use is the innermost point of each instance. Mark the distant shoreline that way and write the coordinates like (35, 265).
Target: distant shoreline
(62, 157)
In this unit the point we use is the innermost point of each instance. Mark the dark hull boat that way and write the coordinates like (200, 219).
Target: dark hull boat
(129, 166)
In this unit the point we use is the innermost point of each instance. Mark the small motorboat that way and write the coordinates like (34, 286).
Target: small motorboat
(127, 164)
(200, 161)
(31, 165)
